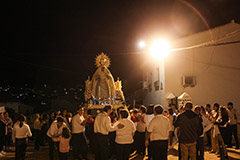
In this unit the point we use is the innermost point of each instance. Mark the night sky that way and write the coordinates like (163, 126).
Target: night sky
(56, 42)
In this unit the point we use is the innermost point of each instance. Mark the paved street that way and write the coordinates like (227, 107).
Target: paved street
(42, 154)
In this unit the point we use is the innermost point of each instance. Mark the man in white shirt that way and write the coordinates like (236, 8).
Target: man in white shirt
(55, 130)
(232, 126)
(79, 144)
(124, 136)
(158, 132)
(102, 126)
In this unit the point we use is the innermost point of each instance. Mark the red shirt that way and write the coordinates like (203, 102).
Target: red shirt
(134, 119)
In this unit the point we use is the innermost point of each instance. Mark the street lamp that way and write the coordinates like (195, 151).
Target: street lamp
(159, 49)
(141, 44)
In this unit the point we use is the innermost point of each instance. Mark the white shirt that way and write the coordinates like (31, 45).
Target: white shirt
(125, 134)
(141, 125)
(21, 132)
(206, 123)
(214, 114)
(159, 128)
(102, 124)
(232, 114)
(149, 117)
(76, 124)
(54, 131)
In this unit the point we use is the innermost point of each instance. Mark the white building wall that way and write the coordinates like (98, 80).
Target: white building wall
(216, 68)
(156, 96)
(214, 82)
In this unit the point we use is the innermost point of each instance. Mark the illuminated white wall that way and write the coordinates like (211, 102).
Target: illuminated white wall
(156, 96)
(216, 68)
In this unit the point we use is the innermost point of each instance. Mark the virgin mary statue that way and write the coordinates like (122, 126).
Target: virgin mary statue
(102, 80)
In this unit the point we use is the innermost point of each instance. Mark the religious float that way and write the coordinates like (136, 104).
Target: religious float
(101, 89)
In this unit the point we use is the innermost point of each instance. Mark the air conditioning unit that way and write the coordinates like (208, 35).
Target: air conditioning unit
(188, 81)
(145, 85)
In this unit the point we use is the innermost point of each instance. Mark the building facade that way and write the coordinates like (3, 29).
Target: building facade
(206, 67)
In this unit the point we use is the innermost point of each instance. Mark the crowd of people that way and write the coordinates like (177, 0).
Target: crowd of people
(150, 130)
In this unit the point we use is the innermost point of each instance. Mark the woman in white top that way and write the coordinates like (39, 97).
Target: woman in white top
(21, 131)
(124, 136)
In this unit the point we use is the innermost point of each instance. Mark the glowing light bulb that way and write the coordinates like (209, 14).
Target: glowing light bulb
(160, 49)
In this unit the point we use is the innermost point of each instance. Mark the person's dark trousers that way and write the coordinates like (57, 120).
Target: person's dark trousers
(52, 144)
(200, 148)
(37, 139)
(63, 156)
(232, 130)
(179, 151)
(135, 144)
(79, 145)
(209, 139)
(112, 136)
(159, 149)
(44, 136)
(224, 134)
(222, 148)
(140, 141)
(149, 150)
(20, 150)
(123, 151)
(8, 139)
(2, 142)
(41, 138)
(171, 134)
(102, 147)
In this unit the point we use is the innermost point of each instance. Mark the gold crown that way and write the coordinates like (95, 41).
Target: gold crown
(102, 60)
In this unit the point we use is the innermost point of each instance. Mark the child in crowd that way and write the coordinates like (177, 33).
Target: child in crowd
(64, 140)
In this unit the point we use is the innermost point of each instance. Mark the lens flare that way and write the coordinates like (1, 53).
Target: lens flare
(141, 44)
(159, 49)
